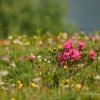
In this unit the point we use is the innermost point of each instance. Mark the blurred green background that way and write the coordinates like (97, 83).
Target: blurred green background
(33, 16)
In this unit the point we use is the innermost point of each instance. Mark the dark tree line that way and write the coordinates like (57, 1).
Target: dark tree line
(30, 16)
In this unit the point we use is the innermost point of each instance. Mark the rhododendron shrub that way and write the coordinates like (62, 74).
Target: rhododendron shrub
(75, 56)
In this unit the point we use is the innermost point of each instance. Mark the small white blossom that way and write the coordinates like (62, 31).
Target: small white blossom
(45, 60)
(50, 41)
(10, 37)
(3, 72)
(1, 83)
(49, 61)
(97, 77)
(40, 60)
(35, 37)
(13, 64)
(40, 43)
(19, 37)
(39, 56)
(99, 58)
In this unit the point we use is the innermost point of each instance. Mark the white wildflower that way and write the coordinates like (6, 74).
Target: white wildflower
(49, 61)
(40, 60)
(50, 41)
(1, 83)
(10, 37)
(39, 56)
(99, 58)
(97, 77)
(45, 60)
(3, 72)
(13, 64)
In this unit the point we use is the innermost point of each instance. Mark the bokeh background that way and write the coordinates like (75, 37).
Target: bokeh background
(42, 16)
(85, 14)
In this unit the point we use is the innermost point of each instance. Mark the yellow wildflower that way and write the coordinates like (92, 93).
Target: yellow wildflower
(18, 81)
(37, 74)
(20, 84)
(59, 46)
(60, 34)
(62, 81)
(61, 85)
(67, 81)
(27, 43)
(78, 87)
(72, 85)
(65, 67)
(12, 98)
(79, 37)
(32, 84)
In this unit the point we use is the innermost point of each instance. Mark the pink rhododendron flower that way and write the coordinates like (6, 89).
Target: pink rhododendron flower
(32, 58)
(5, 58)
(62, 62)
(67, 46)
(90, 37)
(66, 55)
(71, 52)
(92, 54)
(81, 45)
(60, 57)
(76, 55)
(21, 59)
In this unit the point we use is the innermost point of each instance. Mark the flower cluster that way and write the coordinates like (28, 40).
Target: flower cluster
(20, 85)
(92, 54)
(73, 54)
